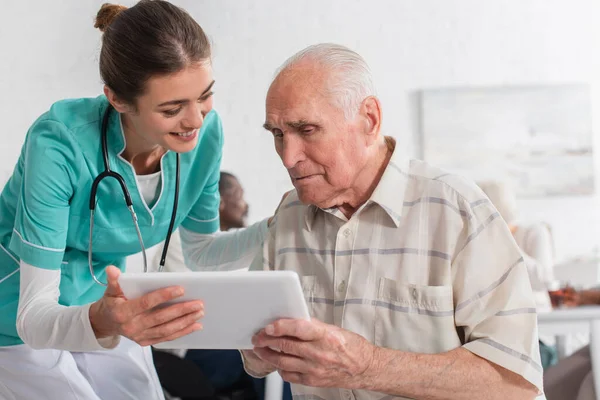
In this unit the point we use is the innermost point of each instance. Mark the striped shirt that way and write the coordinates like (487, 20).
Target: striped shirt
(426, 265)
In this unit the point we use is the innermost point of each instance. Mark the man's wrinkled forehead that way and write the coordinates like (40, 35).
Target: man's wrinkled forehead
(296, 90)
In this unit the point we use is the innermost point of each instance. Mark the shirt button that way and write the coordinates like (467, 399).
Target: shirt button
(342, 286)
(347, 232)
(414, 293)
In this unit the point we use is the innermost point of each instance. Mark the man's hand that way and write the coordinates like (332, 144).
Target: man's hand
(137, 319)
(255, 366)
(315, 354)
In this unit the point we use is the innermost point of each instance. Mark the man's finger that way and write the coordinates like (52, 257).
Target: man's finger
(291, 377)
(288, 345)
(282, 361)
(297, 328)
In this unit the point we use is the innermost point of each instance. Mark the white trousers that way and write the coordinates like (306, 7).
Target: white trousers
(126, 372)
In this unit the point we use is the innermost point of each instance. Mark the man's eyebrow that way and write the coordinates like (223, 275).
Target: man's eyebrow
(298, 124)
(292, 124)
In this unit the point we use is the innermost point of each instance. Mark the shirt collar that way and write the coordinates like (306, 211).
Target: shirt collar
(312, 211)
(388, 194)
(390, 191)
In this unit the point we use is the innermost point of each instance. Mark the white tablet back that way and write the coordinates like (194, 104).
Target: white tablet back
(236, 304)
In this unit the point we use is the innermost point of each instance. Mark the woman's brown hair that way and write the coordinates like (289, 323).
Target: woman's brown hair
(154, 37)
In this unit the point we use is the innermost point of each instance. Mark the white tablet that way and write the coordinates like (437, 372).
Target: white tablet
(236, 304)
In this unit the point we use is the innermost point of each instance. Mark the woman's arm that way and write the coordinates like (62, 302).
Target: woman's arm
(222, 251)
(42, 323)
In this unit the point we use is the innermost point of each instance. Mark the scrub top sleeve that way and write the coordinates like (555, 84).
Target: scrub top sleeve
(49, 178)
(204, 216)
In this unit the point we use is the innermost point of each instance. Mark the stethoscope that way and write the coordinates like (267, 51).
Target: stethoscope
(109, 173)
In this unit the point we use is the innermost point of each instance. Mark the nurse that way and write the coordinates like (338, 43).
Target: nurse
(63, 334)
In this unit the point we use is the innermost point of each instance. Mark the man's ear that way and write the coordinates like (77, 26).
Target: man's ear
(116, 102)
(370, 111)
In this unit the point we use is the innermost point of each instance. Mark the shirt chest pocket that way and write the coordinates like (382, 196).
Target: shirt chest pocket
(319, 302)
(415, 318)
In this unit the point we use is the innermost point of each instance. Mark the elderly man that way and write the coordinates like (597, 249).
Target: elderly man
(414, 283)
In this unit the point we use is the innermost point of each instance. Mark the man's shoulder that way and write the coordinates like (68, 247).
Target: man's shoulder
(292, 204)
(446, 184)
(291, 211)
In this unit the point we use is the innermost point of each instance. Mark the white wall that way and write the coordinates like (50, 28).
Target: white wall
(49, 51)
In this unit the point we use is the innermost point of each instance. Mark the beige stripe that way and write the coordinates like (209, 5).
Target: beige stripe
(354, 252)
(382, 304)
(478, 203)
(516, 311)
(490, 288)
(480, 229)
(512, 352)
(438, 200)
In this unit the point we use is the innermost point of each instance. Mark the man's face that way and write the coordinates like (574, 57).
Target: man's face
(233, 209)
(322, 151)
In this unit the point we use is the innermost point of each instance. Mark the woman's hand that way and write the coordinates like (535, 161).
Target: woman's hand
(138, 319)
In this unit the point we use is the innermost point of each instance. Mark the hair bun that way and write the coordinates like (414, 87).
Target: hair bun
(107, 14)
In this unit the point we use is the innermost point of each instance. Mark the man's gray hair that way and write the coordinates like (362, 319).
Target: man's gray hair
(351, 79)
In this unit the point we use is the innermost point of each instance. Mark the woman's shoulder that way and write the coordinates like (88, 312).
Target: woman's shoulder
(76, 113)
(59, 129)
(69, 116)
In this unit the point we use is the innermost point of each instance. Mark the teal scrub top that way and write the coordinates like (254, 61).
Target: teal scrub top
(44, 207)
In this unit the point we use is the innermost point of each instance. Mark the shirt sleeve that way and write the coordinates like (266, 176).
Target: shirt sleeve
(42, 323)
(494, 304)
(204, 216)
(222, 251)
(49, 178)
